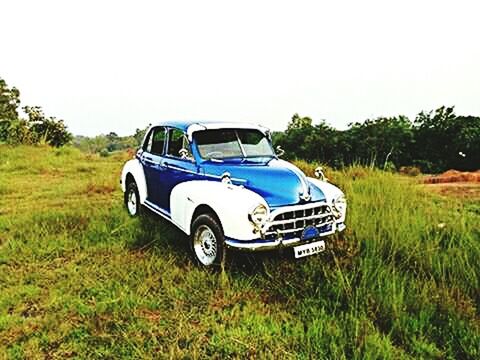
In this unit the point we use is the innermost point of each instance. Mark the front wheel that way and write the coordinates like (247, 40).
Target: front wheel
(207, 241)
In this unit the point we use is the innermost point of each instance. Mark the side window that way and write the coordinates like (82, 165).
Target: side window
(156, 142)
(178, 145)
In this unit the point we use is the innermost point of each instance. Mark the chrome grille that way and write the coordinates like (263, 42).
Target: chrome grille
(293, 220)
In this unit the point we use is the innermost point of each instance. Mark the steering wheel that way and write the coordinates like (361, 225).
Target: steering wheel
(213, 154)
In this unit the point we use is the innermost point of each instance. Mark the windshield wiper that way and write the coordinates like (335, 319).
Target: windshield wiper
(261, 156)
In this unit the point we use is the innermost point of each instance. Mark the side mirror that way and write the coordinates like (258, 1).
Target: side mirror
(280, 151)
(319, 174)
(226, 178)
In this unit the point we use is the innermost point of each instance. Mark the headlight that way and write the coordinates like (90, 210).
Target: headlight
(259, 215)
(340, 204)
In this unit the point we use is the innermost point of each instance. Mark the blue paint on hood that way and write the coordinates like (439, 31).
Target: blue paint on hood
(277, 181)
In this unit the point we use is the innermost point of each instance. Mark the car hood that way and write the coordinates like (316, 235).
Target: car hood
(277, 181)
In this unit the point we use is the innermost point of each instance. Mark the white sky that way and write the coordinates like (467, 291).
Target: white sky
(115, 65)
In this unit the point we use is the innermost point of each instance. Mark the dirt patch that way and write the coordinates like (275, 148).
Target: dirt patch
(454, 176)
(96, 189)
(468, 190)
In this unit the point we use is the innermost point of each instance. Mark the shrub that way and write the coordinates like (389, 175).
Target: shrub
(104, 153)
(410, 170)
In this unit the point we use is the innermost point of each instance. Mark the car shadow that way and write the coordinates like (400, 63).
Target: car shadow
(160, 236)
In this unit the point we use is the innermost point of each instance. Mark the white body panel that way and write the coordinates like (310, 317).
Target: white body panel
(231, 203)
(135, 168)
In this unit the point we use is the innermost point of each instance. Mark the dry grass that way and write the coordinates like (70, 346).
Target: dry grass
(79, 278)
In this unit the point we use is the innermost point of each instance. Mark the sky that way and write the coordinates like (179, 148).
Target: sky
(120, 65)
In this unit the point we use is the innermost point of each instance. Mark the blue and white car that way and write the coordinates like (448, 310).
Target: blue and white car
(224, 186)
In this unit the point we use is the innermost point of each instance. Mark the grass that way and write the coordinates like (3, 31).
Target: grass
(79, 278)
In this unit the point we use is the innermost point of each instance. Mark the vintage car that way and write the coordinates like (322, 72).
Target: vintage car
(224, 186)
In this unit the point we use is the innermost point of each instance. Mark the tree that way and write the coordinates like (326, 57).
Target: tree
(298, 122)
(9, 102)
(306, 141)
(48, 130)
(294, 142)
(140, 134)
(380, 140)
(447, 141)
(466, 143)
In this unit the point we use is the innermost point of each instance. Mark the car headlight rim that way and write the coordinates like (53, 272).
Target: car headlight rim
(340, 204)
(259, 215)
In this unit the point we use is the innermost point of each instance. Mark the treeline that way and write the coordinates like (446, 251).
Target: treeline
(105, 144)
(434, 142)
(35, 128)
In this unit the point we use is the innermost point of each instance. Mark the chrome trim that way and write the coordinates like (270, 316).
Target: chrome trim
(274, 222)
(305, 194)
(174, 167)
(220, 177)
(282, 222)
(274, 244)
(159, 211)
(242, 149)
(288, 208)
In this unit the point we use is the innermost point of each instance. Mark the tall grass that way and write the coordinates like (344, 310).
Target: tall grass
(78, 277)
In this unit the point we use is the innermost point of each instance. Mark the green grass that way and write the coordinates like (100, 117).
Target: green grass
(79, 278)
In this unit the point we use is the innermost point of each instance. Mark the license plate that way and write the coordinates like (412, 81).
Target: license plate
(309, 249)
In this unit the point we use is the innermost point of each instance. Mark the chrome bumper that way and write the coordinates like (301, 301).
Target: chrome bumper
(265, 245)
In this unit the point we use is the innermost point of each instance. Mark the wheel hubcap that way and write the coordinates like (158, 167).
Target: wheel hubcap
(205, 245)
(132, 202)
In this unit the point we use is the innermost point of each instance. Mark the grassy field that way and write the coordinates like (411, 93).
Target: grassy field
(79, 278)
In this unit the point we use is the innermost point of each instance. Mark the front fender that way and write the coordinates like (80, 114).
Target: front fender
(231, 203)
(330, 191)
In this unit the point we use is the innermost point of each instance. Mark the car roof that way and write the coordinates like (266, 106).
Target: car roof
(190, 126)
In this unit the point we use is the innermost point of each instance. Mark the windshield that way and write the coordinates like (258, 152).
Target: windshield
(232, 143)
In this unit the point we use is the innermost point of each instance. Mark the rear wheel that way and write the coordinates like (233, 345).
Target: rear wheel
(207, 241)
(132, 200)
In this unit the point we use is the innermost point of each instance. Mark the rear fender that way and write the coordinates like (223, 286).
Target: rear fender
(135, 169)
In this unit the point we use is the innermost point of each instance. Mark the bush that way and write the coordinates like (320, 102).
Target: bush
(104, 153)
(410, 170)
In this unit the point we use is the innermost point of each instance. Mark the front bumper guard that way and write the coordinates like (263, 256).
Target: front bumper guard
(265, 245)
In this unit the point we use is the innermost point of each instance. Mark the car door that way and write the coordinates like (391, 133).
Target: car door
(151, 159)
(178, 164)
